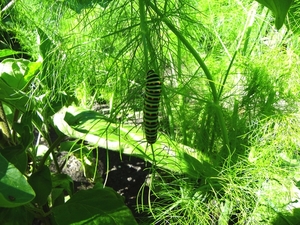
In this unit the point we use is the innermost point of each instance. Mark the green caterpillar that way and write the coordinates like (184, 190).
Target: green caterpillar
(151, 104)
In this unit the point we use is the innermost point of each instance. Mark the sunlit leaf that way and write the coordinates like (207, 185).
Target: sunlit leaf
(12, 72)
(14, 189)
(92, 127)
(8, 52)
(45, 43)
(31, 71)
(12, 82)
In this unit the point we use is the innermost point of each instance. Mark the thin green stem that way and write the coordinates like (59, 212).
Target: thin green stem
(203, 66)
(50, 150)
(4, 125)
(153, 165)
(15, 119)
(144, 30)
(190, 48)
(246, 32)
(227, 73)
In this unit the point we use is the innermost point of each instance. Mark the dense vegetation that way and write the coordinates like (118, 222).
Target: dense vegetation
(229, 123)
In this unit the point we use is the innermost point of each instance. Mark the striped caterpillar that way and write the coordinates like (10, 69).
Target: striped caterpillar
(151, 104)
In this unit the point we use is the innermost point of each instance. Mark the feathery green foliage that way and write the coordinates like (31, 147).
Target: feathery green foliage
(227, 147)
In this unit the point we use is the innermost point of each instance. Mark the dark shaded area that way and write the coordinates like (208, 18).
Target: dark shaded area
(78, 5)
(234, 218)
(126, 175)
(288, 219)
(8, 40)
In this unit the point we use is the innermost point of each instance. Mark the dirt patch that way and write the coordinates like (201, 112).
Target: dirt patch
(125, 174)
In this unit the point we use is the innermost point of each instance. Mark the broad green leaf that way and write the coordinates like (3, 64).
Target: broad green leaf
(32, 69)
(18, 73)
(94, 206)
(17, 156)
(289, 218)
(92, 127)
(25, 130)
(12, 72)
(12, 82)
(8, 52)
(63, 181)
(61, 99)
(46, 43)
(14, 189)
(41, 184)
(14, 98)
(280, 9)
(72, 146)
(9, 113)
(16, 216)
(57, 196)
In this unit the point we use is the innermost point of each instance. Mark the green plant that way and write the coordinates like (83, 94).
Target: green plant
(217, 158)
(36, 193)
(279, 8)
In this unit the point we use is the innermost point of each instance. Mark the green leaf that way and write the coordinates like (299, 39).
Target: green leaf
(12, 72)
(41, 184)
(94, 206)
(8, 52)
(31, 71)
(63, 181)
(92, 127)
(72, 146)
(25, 129)
(62, 99)
(17, 156)
(280, 9)
(18, 73)
(57, 196)
(46, 43)
(12, 82)
(16, 216)
(14, 189)
(14, 98)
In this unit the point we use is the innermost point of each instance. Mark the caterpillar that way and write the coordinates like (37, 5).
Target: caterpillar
(151, 104)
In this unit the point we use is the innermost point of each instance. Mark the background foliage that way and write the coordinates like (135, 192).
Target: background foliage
(229, 113)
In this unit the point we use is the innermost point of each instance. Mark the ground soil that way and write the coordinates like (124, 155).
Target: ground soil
(125, 174)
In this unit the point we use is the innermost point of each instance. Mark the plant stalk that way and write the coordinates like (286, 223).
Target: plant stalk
(4, 125)
(203, 66)
(50, 150)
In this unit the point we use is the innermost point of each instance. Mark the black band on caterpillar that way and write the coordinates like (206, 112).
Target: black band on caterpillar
(151, 104)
